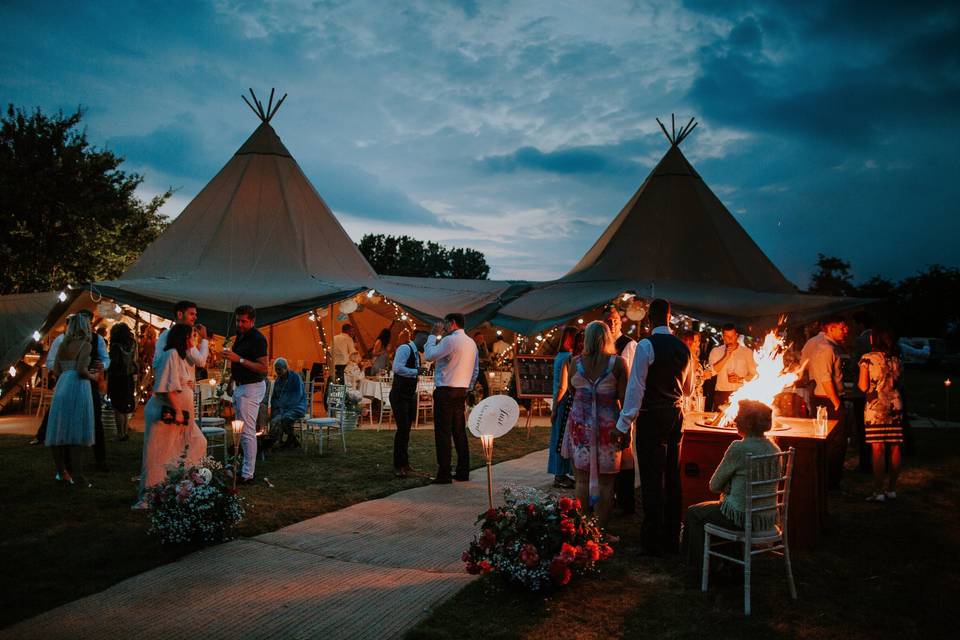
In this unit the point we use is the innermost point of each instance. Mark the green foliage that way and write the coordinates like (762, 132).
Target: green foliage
(70, 214)
(925, 304)
(406, 256)
(832, 277)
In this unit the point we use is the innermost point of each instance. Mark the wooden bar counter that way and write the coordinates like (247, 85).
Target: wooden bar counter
(703, 447)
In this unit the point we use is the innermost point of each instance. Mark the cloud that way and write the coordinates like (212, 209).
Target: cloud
(562, 161)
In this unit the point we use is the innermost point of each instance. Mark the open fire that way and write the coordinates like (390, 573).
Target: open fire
(771, 378)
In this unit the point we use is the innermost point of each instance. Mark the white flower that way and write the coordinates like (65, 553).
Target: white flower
(205, 475)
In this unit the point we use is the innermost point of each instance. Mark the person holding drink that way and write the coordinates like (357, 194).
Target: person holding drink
(732, 364)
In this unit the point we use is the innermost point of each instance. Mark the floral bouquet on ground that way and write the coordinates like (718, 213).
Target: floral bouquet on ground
(194, 504)
(536, 541)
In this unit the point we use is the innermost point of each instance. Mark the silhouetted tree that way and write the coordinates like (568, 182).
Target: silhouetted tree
(406, 256)
(832, 277)
(69, 213)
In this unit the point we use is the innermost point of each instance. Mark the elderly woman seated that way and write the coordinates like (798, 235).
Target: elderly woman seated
(754, 419)
(288, 404)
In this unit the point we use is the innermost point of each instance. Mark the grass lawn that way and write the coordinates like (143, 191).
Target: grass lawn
(880, 571)
(59, 543)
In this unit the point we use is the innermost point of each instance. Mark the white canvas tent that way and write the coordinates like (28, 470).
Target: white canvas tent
(257, 234)
(674, 239)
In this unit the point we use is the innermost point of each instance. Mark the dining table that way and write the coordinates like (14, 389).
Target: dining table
(702, 448)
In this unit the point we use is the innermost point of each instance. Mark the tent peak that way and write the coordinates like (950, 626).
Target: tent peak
(676, 137)
(264, 114)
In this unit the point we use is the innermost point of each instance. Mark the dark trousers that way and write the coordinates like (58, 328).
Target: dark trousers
(338, 372)
(625, 493)
(855, 419)
(404, 405)
(99, 445)
(837, 445)
(658, 449)
(449, 422)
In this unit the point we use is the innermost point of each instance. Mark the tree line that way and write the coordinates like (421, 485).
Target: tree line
(924, 304)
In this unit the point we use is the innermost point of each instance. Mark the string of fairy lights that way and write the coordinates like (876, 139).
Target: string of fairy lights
(632, 307)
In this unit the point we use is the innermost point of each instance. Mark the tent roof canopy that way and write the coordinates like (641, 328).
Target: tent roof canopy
(257, 234)
(676, 240)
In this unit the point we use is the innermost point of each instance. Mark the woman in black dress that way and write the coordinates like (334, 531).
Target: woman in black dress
(121, 380)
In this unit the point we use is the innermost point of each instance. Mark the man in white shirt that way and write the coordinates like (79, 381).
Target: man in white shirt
(659, 377)
(343, 349)
(821, 360)
(624, 490)
(500, 346)
(185, 312)
(732, 364)
(457, 365)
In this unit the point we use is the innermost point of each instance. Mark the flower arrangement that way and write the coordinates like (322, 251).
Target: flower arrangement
(194, 504)
(352, 401)
(537, 541)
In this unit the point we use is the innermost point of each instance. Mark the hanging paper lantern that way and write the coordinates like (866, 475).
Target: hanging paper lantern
(323, 312)
(108, 310)
(348, 306)
(637, 310)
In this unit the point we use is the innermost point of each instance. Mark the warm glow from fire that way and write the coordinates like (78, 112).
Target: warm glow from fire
(771, 377)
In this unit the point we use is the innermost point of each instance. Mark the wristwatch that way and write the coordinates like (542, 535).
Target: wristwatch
(241, 360)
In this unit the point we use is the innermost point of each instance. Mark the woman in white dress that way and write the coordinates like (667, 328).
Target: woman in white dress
(173, 388)
(70, 423)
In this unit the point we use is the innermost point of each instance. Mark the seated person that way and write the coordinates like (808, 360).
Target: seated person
(754, 419)
(352, 374)
(288, 404)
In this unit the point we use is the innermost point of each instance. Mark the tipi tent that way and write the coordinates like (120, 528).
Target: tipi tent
(257, 234)
(674, 239)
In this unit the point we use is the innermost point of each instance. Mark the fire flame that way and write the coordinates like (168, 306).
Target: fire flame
(771, 377)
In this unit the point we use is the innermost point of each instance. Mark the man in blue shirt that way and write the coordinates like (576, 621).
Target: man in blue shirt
(288, 404)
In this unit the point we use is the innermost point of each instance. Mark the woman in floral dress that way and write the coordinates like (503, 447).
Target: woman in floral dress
(883, 415)
(591, 440)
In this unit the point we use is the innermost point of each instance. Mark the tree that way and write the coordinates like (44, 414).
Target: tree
(70, 215)
(406, 256)
(832, 277)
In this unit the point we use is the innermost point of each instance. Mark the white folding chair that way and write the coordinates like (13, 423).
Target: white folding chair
(385, 407)
(43, 391)
(212, 427)
(425, 387)
(320, 427)
(768, 490)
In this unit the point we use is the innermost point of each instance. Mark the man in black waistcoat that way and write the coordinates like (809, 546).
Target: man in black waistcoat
(659, 377)
(623, 489)
(403, 400)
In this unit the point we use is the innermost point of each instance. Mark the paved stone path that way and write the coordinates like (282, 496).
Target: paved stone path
(373, 570)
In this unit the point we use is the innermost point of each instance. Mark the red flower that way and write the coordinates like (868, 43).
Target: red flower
(485, 567)
(560, 572)
(529, 555)
(491, 514)
(565, 504)
(591, 550)
(568, 553)
(568, 528)
(465, 556)
(487, 539)
(531, 509)
(472, 568)
(605, 551)
(577, 504)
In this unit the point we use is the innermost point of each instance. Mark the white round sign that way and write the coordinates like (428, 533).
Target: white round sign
(494, 416)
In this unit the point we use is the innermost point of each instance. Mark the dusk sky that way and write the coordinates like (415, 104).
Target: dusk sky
(521, 128)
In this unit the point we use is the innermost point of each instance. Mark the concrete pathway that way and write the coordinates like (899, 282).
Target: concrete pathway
(373, 570)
